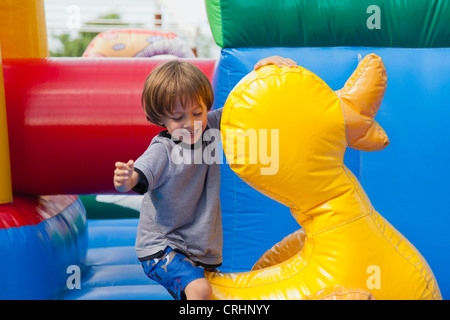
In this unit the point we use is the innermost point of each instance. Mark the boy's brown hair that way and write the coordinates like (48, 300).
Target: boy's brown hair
(171, 81)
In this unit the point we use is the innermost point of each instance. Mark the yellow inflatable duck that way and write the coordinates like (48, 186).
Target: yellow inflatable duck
(345, 248)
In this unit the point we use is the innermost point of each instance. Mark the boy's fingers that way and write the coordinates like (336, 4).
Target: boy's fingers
(121, 178)
(123, 168)
(121, 181)
(119, 164)
(121, 172)
(292, 63)
(276, 60)
(129, 165)
(287, 62)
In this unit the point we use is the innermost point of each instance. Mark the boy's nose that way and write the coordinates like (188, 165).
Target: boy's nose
(189, 122)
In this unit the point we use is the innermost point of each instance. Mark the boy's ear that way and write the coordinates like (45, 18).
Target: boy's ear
(361, 98)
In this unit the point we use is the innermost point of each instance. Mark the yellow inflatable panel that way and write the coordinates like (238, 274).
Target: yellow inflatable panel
(345, 249)
(6, 194)
(23, 33)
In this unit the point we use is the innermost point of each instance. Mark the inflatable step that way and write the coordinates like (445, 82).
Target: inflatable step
(111, 270)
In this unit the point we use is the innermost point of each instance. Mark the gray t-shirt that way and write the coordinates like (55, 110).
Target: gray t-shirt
(181, 207)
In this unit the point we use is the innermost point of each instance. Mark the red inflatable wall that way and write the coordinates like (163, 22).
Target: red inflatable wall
(69, 120)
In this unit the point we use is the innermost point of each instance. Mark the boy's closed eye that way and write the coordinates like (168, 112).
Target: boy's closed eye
(179, 118)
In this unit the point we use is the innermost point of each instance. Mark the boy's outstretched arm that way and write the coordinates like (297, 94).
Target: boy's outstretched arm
(276, 60)
(125, 178)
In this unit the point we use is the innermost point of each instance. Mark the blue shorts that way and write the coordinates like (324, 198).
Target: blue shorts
(174, 271)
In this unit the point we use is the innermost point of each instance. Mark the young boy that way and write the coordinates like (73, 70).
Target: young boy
(180, 227)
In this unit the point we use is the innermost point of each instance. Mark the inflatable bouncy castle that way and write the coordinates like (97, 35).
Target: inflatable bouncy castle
(138, 43)
(65, 121)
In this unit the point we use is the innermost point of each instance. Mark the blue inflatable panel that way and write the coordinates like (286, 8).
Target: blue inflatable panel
(112, 232)
(98, 223)
(107, 275)
(143, 292)
(406, 182)
(101, 236)
(34, 258)
(111, 256)
(112, 270)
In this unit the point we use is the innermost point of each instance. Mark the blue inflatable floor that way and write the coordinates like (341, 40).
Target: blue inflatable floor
(112, 271)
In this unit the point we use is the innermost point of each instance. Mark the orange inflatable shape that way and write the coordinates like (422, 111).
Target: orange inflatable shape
(137, 43)
(345, 248)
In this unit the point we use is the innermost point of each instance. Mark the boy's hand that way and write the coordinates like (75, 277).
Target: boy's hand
(276, 60)
(123, 176)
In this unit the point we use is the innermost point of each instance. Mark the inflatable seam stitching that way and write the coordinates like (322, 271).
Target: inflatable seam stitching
(373, 123)
(345, 121)
(361, 72)
(244, 286)
(402, 255)
(340, 225)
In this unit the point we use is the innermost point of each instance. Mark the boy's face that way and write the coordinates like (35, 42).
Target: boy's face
(187, 124)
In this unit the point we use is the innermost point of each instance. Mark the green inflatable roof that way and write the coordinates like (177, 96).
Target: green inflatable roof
(326, 23)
